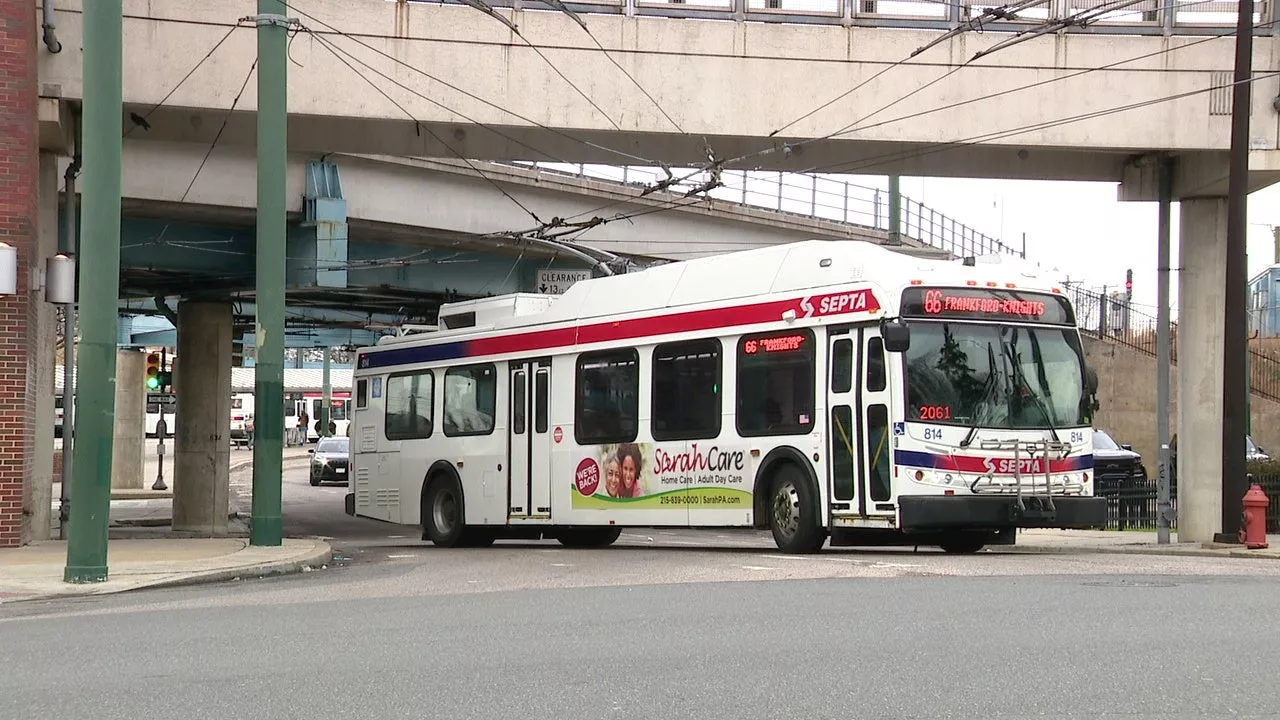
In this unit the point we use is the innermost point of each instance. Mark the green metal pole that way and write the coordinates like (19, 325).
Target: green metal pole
(326, 407)
(265, 528)
(99, 291)
(895, 211)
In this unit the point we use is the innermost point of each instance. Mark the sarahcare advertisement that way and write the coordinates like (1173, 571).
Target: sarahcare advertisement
(662, 476)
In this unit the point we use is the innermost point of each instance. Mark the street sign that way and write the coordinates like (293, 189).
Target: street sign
(558, 282)
(162, 399)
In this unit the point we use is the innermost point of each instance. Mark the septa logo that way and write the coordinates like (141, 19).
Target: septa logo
(1008, 466)
(855, 301)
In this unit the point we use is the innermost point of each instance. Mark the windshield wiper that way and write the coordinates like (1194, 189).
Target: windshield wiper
(1022, 380)
(987, 387)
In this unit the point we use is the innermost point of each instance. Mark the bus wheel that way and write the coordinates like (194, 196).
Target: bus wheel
(589, 537)
(963, 544)
(442, 518)
(793, 513)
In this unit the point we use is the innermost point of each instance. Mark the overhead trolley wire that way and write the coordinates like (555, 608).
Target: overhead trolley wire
(328, 45)
(357, 40)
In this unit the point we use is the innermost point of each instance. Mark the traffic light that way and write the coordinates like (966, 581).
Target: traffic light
(153, 371)
(1128, 284)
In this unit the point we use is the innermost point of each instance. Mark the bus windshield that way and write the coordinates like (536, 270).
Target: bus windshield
(996, 376)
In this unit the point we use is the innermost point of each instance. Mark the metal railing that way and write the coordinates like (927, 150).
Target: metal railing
(1132, 503)
(1129, 17)
(1107, 316)
(806, 195)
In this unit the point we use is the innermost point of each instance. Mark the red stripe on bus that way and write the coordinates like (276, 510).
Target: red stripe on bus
(692, 321)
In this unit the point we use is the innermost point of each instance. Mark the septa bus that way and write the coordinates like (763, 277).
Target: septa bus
(823, 390)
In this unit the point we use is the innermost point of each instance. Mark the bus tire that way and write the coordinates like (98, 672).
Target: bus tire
(596, 537)
(443, 512)
(793, 512)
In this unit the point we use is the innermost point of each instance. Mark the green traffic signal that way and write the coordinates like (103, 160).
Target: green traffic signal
(153, 382)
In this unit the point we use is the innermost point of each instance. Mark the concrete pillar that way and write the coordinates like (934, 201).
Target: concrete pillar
(129, 439)
(19, 228)
(202, 454)
(44, 346)
(1202, 258)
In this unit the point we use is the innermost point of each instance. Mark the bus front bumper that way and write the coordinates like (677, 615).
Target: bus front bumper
(940, 512)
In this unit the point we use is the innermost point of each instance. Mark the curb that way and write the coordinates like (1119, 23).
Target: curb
(320, 556)
(1141, 550)
(249, 463)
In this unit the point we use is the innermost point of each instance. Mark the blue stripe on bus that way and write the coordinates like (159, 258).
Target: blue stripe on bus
(414, 355)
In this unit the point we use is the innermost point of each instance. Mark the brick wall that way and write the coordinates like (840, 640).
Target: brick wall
(19, 173)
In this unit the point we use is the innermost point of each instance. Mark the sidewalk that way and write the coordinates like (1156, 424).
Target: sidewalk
(1133, 542)
(35, 571)
(241, 459)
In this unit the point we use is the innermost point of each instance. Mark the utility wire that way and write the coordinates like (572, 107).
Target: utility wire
(788, 148)
(357, 40)
(334, 47)
(1002, 11)
(225, 119)
(147, 116)
(324, 42)
(976, 140)
(560, 6)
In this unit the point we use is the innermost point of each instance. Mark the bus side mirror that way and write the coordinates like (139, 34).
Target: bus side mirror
(1091, 380)
(897, 336)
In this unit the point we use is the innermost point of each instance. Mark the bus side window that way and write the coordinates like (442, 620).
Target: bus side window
(776, 383)
(607, 406)
(470, 394)
(876, 380)
(408, 406)
(362, 394)
(686, 390)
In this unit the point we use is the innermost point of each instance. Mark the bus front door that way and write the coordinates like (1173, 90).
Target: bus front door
(529, 440)
(858, 407)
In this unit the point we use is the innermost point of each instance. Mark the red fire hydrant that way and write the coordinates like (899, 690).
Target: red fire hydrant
(1254, 532)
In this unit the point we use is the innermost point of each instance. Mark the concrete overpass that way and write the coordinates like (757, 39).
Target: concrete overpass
(428, 80)
(420, 231)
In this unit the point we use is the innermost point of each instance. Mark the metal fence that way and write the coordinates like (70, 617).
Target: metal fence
(808, 195)
(1132, 504)
(1108, 316)
(1129, 17)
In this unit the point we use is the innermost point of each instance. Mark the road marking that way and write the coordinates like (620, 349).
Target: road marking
(561, 564)
(398, 557)
(756, 567)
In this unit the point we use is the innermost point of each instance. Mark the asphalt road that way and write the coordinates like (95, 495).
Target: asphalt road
(663, 625)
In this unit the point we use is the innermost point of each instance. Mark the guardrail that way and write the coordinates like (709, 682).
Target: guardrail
(1128, 17)
(810, 196)
(1110, 318)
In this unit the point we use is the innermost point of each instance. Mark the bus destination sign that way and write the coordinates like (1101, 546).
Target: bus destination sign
(986, 304)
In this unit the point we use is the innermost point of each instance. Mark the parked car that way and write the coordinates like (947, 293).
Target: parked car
(1114, 463)
(330, 460)
(1253, 453)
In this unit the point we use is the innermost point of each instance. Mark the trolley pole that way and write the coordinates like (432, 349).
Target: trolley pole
(99, 291)
(1235, 386)
(265, 527)
(1164, 505)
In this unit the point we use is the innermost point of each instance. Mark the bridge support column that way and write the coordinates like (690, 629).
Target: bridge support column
(202, 445)
(129, 437)
(1201, 335)
(44, 358)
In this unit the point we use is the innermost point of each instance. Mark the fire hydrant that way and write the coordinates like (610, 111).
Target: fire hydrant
(1254, 532)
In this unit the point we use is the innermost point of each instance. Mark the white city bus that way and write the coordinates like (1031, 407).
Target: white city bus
(820, 389)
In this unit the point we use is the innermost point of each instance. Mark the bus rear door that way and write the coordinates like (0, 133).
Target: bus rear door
(529, 440)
